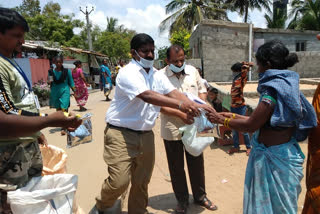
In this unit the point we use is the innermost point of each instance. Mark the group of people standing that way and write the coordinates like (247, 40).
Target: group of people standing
(282, 118)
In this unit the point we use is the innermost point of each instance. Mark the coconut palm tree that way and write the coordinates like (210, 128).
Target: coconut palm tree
(188, 13)
(111, 24)
(277, 19)
(243, 6)
(305, 15)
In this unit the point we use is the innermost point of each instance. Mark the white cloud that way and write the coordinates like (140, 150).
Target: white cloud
(127, 3)
(147, 21)
(142, 21)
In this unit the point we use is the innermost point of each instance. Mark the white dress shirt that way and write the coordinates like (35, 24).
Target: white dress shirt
(189, 82)
(128, 111)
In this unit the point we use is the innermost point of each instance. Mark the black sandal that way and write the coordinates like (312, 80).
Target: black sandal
(207, 204)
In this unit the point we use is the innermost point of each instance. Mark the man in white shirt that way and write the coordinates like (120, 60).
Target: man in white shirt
(129, 140)
(184, 78)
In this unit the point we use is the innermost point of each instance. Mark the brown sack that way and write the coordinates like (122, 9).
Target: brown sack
(54, 160)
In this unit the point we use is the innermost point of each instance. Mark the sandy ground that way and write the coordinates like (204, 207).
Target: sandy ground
(86, 161)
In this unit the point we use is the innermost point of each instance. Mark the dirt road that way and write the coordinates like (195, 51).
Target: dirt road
(86, 161)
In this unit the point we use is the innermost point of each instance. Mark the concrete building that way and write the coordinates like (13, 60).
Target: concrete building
(217, 45)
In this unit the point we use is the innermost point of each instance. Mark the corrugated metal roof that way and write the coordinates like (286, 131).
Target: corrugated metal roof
(79, 50)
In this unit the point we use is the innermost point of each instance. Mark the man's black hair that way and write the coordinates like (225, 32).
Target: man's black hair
(139, 40)
(10, 19)
(236, 67)
(213, 90)
(176, 48)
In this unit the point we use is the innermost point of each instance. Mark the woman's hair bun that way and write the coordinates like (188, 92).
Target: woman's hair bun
(291, 59)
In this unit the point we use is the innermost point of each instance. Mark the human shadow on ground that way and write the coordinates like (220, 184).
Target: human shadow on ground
(225, 148)
(107, 101)
(78, 110)
(54, 130)
(167, 203)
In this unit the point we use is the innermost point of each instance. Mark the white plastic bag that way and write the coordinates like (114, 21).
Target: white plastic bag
(193, 144)
(202, 123)
(45, 195)
(107, 86)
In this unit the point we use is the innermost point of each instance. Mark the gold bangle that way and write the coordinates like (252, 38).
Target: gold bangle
(225, 122)
(234, 116)
(229, 119)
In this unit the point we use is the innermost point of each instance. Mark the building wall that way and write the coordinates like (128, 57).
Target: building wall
(308, 66)
(220, 44)
(290, 39)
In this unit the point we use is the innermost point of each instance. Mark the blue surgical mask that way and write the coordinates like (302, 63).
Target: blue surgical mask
(176, 69)
(144, 62)
(54, 66)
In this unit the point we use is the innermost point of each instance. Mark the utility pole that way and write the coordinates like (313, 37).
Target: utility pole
(88, 26)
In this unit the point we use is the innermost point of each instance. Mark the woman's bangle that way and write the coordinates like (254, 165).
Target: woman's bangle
(229, 119)
(225, 122)
(234, 116)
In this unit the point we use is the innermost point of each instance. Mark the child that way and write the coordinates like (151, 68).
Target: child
(238, 106)
(213, 99)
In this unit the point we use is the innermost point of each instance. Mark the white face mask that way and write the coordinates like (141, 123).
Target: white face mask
(144, 62)
(176, 69)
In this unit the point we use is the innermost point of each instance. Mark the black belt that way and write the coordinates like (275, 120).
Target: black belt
(131, 130)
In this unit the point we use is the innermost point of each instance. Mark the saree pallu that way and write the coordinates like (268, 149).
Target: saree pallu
(312, 199)
(273, 175)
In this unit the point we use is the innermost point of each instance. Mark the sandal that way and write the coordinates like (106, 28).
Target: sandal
(233, 150)
(207, 204)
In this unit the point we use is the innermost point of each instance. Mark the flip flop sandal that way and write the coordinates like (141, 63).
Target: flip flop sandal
(207, 204)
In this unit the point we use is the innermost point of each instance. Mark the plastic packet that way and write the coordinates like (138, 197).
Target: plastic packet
(83, 134)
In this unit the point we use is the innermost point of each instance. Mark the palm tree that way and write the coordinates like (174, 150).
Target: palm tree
(111, 24)
(306, 15)
(243, 6)
(277, 19)
(188, 13)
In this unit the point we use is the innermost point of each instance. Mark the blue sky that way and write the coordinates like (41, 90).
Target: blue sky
(140, 15)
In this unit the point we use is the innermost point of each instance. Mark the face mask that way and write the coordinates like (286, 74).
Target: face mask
(144, 62)
(176, 69)
(54, 66)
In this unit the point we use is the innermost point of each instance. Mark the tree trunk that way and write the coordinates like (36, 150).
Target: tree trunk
(247, 12)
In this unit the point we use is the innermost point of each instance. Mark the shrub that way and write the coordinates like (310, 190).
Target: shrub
(42, 90)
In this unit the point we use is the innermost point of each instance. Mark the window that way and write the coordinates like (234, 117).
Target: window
(301, 46)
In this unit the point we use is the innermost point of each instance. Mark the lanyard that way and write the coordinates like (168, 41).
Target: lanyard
(16, 66)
